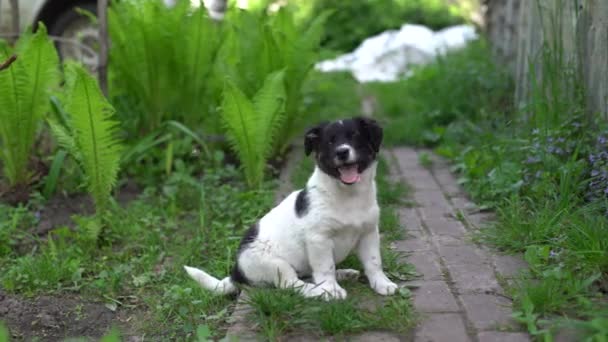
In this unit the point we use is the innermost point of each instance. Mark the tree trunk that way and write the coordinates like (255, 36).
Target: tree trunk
(102, 70)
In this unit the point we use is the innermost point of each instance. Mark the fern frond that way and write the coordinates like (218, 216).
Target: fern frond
(25, 99)
(94, 134)
(13, 101)
(269, 104)
(239, 121)
(64, 139)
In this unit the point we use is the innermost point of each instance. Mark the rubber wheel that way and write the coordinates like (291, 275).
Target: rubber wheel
(78, 37)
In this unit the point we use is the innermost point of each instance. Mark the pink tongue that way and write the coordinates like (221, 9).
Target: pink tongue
(349, 174)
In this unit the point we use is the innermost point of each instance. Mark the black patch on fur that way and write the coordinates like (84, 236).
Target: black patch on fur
(302, 203)
(237, 274)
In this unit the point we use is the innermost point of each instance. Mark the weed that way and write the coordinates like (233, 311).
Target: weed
(424, 159)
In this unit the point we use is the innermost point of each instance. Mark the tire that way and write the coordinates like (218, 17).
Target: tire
(71, 26)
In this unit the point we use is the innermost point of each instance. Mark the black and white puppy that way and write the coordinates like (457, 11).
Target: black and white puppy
(315, 228)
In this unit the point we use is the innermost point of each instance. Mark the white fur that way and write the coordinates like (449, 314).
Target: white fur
(340, 218)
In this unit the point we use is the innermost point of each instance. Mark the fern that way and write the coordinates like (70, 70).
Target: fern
(161, 61)
(253, 124)
(257, 45)
(24, 99)
(90, 134)
(299, 47)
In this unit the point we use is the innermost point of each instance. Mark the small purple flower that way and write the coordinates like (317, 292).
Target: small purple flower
(559, 151)
(37, 215)
(561, 140)
(550, 139)
(532, 160)
(538, 174)
(535, 131)
(606, 191)
(602, 139)
(551, 149)
(553, 254)
(591, 158)
(594, 173)
(576, 124)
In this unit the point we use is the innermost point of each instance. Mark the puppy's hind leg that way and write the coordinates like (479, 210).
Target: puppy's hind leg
(283, 276)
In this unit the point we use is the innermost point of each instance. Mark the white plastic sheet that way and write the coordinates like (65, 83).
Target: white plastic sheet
(389, 55)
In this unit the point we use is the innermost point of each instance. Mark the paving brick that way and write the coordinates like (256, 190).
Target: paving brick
(436, 212)
(413, 244)
(474, 278)
(463, 204)
(427, 264)
(488, 312)
(434, 296)
(447, 240)
(462, 255)
(509, 266)
(370, 336)
(447, 181)
(404, 154)
(445, 327)
(480, 219)
(499, 336)
(431, 198)
(410, 219)
(445, 226)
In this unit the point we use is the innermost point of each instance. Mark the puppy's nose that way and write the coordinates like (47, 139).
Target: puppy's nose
(342, 152)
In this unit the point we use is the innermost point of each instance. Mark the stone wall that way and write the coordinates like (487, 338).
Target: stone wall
(520, 29)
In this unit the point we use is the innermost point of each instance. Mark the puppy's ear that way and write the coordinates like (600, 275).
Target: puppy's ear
(372, 131)
(312, 138)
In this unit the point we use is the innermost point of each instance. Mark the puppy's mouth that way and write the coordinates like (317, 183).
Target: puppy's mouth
(349, 173)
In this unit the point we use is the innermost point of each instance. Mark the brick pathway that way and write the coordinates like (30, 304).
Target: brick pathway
(459, 293)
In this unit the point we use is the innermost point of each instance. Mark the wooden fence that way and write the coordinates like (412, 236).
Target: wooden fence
(575, 32)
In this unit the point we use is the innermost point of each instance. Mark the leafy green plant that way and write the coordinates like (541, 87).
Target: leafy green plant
(257, 45)
(90, 134)
(24, 100)
(161, 64)
(252, 124)
(4, 333)
(423, 108)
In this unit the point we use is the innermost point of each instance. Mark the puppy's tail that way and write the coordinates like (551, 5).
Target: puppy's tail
(223, 287)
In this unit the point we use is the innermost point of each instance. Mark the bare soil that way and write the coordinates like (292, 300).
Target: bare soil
(55, 318)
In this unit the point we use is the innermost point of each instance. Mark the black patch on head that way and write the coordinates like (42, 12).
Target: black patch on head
(237, 274)
(302, 203)
(363, 135)
(312, 138)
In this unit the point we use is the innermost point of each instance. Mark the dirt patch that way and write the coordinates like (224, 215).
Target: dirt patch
(56, 318)
(58, 211)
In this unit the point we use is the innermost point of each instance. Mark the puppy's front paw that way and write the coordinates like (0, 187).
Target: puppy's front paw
(331, 291)
(382, 285)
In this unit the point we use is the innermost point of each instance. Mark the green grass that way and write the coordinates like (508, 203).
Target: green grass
(417, 110)
(137, 264)
(278, 313)
(533, 167)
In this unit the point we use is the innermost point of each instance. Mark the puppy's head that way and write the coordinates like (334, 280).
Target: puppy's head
(345, 148)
